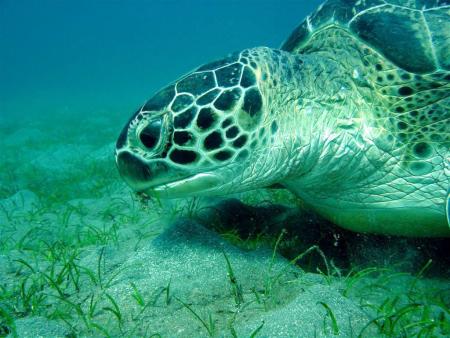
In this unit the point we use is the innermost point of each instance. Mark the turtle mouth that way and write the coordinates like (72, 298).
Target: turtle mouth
(196, 184)
(158, 179)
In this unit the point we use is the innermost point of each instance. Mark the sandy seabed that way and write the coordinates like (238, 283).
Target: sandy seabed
(82, 256)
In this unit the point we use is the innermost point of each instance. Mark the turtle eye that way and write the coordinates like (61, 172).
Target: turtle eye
(151, 133)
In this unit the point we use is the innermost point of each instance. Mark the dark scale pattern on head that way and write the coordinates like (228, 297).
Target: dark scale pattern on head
(232, 132)
(227, 122)
(240, 141)
(228, 99)
(206, 118)
(183, 156)
(248, 78)
(160, 100)
(250, 114)
(185, 118)
(197, 83)
(223, 155)
(208, 97)
(252, 102)
(213, 141)
(182, 102)
(229, 76)
(183, 138)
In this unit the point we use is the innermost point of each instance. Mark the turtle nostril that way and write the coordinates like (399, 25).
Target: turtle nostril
(150, 135)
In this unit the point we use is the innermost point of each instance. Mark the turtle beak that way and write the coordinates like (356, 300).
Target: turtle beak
(138, 174)
(155, 179)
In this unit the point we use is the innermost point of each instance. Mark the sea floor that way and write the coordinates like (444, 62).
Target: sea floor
(82, 256)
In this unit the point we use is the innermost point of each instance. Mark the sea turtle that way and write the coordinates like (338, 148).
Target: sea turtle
(351, 114)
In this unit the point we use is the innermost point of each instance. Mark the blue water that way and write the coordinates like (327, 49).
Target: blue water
(75, 241)
(81, 57)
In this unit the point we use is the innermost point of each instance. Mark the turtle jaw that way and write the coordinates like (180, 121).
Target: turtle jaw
(157, 178)
(198, 184)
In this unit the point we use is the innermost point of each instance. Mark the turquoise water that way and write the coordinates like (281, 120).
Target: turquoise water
(82, 256)
(89, 56)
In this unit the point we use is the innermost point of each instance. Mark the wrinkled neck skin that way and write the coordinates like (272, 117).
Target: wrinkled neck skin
(315, 105)
(313, 101)
(329, 153)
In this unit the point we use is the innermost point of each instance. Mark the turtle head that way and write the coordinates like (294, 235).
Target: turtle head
(199, 135)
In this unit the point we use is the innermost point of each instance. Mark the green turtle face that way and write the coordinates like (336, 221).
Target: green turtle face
(193, 136)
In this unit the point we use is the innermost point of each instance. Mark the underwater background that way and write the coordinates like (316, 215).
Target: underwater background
(82, 256)
(89, 56)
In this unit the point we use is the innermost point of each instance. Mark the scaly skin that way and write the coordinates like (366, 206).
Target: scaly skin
(315, 133)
